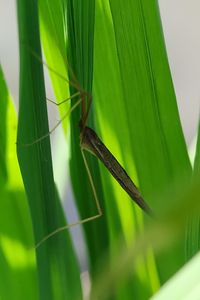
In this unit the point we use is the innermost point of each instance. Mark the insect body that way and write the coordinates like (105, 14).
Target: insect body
(92, 143)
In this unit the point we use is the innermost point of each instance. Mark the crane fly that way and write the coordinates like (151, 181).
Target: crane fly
(90, 141)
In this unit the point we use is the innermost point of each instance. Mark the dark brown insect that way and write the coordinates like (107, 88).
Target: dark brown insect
(92, 143)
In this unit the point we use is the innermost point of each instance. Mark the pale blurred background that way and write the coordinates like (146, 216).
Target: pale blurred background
(181, 24)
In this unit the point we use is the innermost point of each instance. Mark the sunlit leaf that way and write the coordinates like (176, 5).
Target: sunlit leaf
(58, 271)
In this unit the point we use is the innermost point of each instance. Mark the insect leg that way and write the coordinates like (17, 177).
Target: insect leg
(65, 100)
(92, 185)
(54, 128)
(86, 220)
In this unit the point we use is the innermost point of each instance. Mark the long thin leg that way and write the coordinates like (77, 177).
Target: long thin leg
(60, 229)
(98, 215)
(92, 184)
(74, 84)
(54, 128)
(61, 120)
(65, 100)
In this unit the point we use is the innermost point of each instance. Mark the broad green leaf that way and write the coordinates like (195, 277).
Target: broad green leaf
(17, 262)
(58, 272)
(138, 120)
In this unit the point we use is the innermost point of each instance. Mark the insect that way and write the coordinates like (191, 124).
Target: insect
(90, 141)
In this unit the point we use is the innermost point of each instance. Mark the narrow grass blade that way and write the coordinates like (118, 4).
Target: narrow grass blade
(58, 272)
(197, 156)
(81, 17)
(53, 35)
(193, 230)
(17, 262)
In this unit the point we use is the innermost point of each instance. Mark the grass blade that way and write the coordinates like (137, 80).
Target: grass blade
(52, 16)
(193, 230)
(137, 116)
(17, 262)
(197, 156)
(58, 272)
(80, 44)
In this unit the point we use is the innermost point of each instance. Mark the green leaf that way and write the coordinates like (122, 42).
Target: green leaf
(193, 229)
(58, 271)
(138, 120)
(17, 262)
(81, 17)
(197, 156)
(53, 35)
